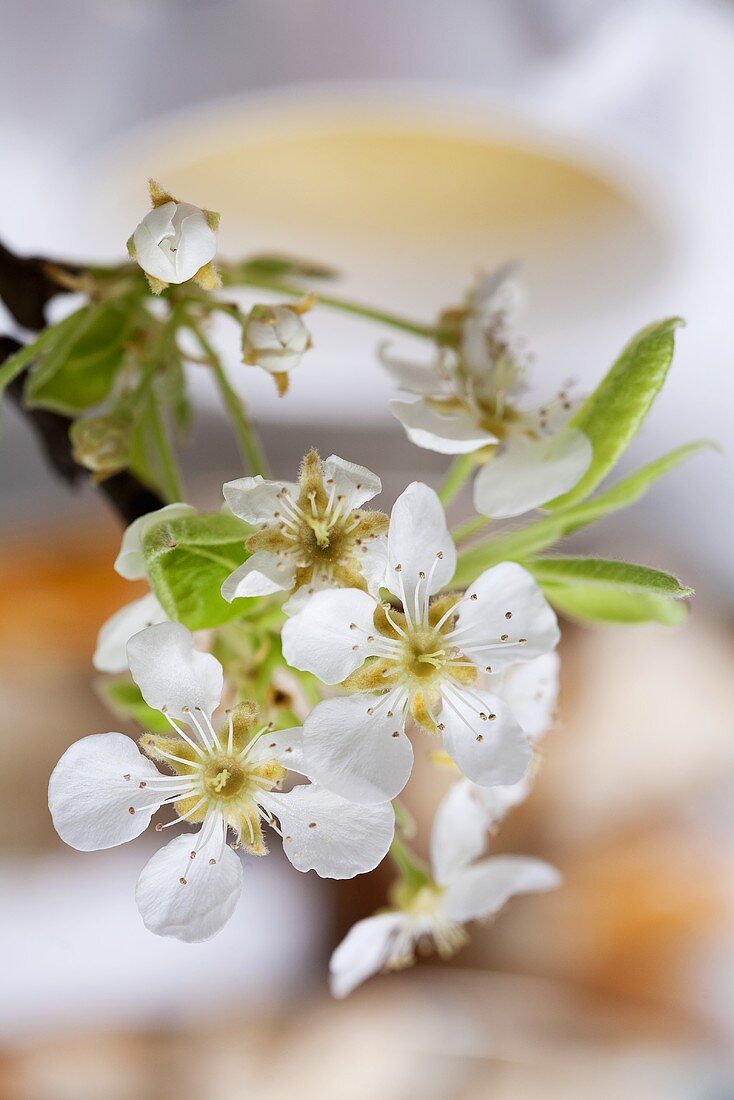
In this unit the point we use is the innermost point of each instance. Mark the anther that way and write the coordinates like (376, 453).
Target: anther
(142, 784)
(474, 596)
(192, 855)
(396, 733)
(504, 637)
(212, 862)
(131, 809)
(440, 727)
(182, 881)
(522, 641)
(126, 776)
(508, 614)
(480, 737)
(312, 824)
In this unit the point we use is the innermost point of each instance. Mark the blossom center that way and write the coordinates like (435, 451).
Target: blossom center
(424, 654)
(224, 778)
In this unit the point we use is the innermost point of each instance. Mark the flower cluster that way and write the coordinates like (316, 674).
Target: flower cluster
(295, 647)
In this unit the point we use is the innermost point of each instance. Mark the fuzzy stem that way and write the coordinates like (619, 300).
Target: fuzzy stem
(247, 439)
(456, 477)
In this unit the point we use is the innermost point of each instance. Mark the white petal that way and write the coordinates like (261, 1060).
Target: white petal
(488, 750)
(325, 833)
(329, 635)
(419, 542)
(261, 575)
(130, 562)
(485, 633)
(459, 833)
(363, 952)
(199, 908)
(197, 243)
(110, 654)
(527, 473)
(498, 801)
(171, 673)
(449, 431)
(483, 889)
(356, 484)
(156, 225)
(285, 747)
(373, 563)
(531, 690)
(90, 798)
(357, 754)
(418, 378)
(256, 500)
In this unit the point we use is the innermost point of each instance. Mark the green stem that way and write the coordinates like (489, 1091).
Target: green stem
(344, 305)
(246, 436)
(455, 479)
(413, 871)
(471, 527)
(170, 477)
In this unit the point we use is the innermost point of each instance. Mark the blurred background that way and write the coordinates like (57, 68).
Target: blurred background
(408, 144)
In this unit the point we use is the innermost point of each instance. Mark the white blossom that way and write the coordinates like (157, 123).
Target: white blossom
(420, 656)
(104, 791)
(471, 399)
(431, 913)
(313, 535)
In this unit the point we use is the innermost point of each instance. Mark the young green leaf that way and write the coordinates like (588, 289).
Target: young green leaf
(23, 358)
(187, 561)
(593, 603)
(612, 415)
(600, 571)
(536, 537)
(78, 370)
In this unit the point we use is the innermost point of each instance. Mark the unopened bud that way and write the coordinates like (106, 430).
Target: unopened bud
(102, 443)
(175, 241)
(275, 337)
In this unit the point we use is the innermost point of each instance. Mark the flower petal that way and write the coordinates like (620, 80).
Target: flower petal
(531, 690)
(418, 542)
(363, 952)
(449, 430)
(199, 907)
(110, 654)
(417, 378)
(365, 757)
(463, 820)
(283, 746)
(130, 562)
(510, 620)
(171, 673)
(329, 835)
(356, 484)
(197, 243)
(256, 500)
(489, 750)
(261, 575)
(93, 788)
(483, 889)
(330, 635)
(373, 563)
(459, 833)
(526, 473)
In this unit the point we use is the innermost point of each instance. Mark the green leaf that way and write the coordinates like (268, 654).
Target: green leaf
(124, 699)
(591, 603)
(536, 537)
(13, 366)
(78, 370)
(600, 571)
(612, 415)
(187, 561)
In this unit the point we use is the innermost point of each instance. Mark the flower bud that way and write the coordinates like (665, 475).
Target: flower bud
(275, 338)
(175, 242)
(102, 443)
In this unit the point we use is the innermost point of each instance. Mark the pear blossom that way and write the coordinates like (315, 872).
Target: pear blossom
(314, 534)
(110, 654)
(420, 656)
(175, 241)
(104, 791)
(276, 339)
(431, 911)
(470, 400)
